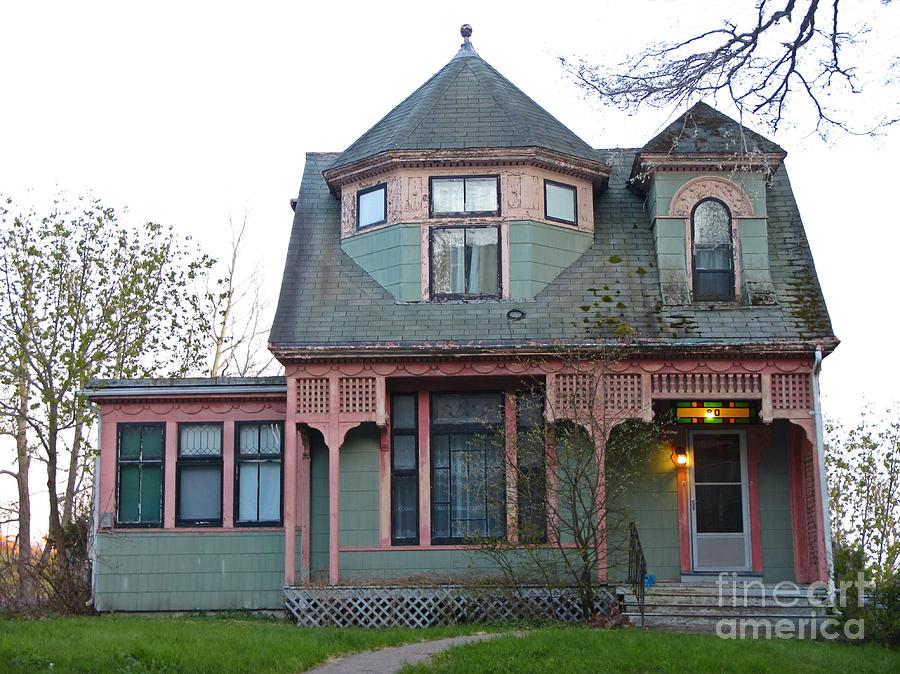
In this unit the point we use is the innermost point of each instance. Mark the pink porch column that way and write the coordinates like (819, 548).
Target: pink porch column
(807, 517)
(304, 493)
(289, 496)
(424, 416)
(228, 450)
(169, 486)
(107, 492)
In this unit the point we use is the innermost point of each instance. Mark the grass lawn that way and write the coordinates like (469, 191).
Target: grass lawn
(135, 645)
(563, 650)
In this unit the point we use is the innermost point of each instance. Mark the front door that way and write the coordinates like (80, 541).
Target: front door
(719, 504)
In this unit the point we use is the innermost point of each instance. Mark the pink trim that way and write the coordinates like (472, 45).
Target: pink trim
(195, 530)
(228, 450)
(384, 488)
(170, 487)
(753, 459)
(303, 506)
(802, 572)
(402, 548)
(107, 489)
(424, 421)
(684, 520)
(512, 494)
(334, 515)
(289, 501)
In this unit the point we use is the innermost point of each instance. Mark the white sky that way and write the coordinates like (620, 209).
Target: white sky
(187, 113)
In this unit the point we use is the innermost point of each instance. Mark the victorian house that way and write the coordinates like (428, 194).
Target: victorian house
(436, 270)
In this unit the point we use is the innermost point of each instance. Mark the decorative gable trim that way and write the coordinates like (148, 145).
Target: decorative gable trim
(706, 187)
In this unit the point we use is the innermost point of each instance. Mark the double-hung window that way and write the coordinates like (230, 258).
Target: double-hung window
(713, 251)
(468, 478)
(371, 206)
(141, 448)
(531, 472)
(465, 262)
(465, 196)
(258, 473)
(404, 470)
(560, 202)
(199, 469)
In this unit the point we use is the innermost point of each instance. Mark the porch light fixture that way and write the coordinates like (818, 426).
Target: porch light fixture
(679, 457)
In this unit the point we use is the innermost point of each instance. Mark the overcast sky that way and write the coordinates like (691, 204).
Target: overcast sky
(188, 113)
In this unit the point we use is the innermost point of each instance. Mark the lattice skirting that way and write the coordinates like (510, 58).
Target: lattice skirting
(437, 605)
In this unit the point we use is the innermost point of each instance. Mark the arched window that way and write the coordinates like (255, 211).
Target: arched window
(713, 251)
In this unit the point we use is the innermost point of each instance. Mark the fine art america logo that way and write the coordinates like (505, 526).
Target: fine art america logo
(801, 612)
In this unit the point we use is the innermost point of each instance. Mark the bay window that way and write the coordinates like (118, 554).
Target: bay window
(465, 262)
(464, 196)
(371, 206)
(531, 472)
(258, 473)
(199, 471)
(468, 476)
(140, 452)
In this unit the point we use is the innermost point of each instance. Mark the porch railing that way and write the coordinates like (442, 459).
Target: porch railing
(637, 568)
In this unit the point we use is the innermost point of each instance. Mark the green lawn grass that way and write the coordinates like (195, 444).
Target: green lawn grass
(564, 650)
(163, 645)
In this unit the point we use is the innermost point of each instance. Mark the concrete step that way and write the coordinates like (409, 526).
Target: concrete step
(657, 598)
(708, 623)
(748, 611)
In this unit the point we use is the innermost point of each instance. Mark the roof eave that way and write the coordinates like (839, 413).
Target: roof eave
(594, 170)
(647, 163)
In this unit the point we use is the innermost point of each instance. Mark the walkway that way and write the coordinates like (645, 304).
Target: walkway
(389, 660)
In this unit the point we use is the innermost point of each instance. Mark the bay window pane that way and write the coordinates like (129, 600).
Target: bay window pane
(371, 207)
(200, 493)
(201, 440)
(270, 491)
(152, 441)
(248, 439)
(270, 439)
(248, 485)
(151, 493)
(484, 269)
(130, 442)
(560, 202)
(712, 223)
(404, 452)
(129, 493)
(448, 261)
(405, 507)
(447, 195)
(481, 195)
(403, 411)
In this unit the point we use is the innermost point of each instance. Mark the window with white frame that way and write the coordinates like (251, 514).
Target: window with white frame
(464, 196)
(258, 473)
(199, 474)
(713, 251)
(371, 206)
(465, 262)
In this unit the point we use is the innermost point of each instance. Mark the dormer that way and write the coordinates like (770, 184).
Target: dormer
(467, 190)
(704, 179)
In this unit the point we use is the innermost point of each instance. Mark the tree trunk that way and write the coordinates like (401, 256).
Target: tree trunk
(55, 530)
(23, 463)
(74, 465)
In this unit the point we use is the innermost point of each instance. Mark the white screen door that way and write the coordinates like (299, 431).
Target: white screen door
(719, 504)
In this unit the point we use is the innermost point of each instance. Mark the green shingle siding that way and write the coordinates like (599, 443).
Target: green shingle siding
(775, 507)
(318, 536)
(359, 484)
(538, 253)
(392, 256)
(182, 571)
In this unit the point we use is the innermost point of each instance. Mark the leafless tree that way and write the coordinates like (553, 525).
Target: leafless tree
(240, 324)
(791, 53)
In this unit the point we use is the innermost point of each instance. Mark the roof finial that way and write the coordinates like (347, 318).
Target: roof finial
(466, 48)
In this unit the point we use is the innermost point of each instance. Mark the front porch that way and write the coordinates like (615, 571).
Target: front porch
(338, 464)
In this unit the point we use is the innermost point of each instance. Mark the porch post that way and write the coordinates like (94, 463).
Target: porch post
(289, 496)
(334, 440)
(304, 492)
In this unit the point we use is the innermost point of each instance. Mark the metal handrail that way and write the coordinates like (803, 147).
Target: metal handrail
(637, 567)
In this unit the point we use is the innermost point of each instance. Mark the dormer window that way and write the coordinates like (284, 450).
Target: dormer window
(465, 196)
(371, 206)
(713, 252)
(465, 262)
(559, 202)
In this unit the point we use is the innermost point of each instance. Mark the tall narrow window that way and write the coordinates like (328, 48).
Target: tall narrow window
(465, 262)
(468, 476)
(371, 206)
(560, 202)
(713, 251)
(258, 473)
(465, 197)
(404, 470)
(141, 448)
(199, 471)
(530, 467)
